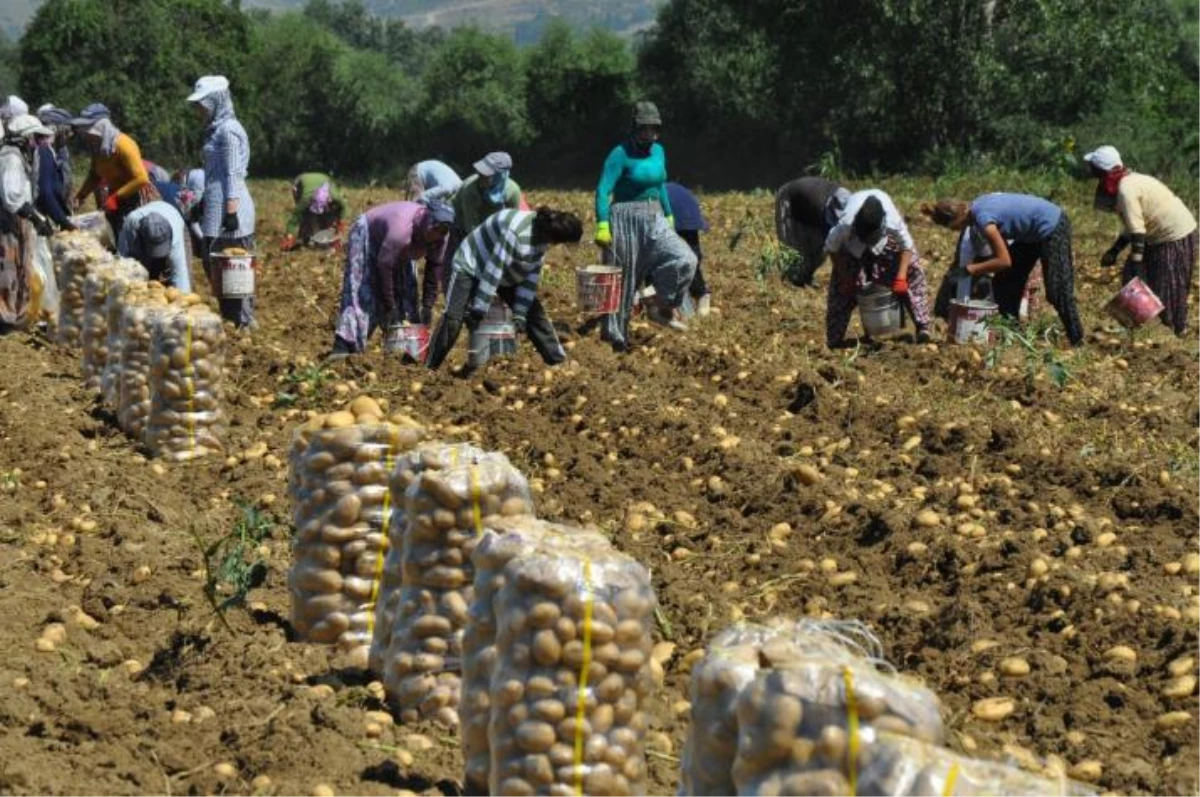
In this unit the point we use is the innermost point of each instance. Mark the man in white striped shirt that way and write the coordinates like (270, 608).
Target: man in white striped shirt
(503, 258)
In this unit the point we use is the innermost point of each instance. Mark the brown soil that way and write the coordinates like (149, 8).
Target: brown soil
(1115, 451)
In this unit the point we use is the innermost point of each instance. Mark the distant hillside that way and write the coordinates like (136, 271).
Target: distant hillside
(523, 19)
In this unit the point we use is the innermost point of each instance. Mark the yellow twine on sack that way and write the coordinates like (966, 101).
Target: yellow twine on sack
(476, 494)
(951, 780)
(385, 523)
(189, 381)
(581, 704)
(852, 731)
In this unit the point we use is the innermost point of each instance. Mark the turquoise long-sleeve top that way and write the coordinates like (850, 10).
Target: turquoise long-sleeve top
(629, 176)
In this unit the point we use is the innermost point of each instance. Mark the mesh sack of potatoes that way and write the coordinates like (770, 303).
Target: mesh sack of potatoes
(573, 675)
(447, 513)
(731, 662)
(75, 255)
(820, 707)
(187, 362)
(121, 293)
(408, 468)
(137, 326)
(505, 541)
(339, 466)
(94, 336)
(900, 766)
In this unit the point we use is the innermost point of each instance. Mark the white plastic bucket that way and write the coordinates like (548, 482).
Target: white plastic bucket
(879, 311)
(409, 340)
(495, 336)
(236, 273)
(598, 289)
(968, 321)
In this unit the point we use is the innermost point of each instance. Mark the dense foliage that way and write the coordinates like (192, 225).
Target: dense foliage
(753, 90)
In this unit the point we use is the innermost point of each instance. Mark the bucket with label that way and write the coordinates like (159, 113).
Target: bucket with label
(1134, 304)
(967, 322)
(598, 289)
(408, 340)
(235, 271)
(495, 336)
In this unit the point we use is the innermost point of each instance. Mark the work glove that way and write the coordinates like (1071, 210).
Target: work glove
(230, 222)
(43, 226)
(519, 324)
(67, 225)
(900, 285)
(981, 287)
(671, 222)
(474, 318)
(111, 202)
(1109, 258)
(603, 235)
(289, 243)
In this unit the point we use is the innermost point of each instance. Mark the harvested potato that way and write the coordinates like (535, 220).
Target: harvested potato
(75, 254)
(447, 512)
(94, 332)
(187, 363)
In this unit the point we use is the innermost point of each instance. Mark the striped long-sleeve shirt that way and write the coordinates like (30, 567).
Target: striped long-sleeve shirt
(501, 252)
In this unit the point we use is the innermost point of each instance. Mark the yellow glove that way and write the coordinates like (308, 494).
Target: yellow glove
(603, 234)
(671, 222)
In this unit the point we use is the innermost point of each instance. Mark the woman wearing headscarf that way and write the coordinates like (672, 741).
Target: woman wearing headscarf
(431, 176)
(189, 200)
(12, 107)
(59, 120)
(320, 206)
(379, 286)
(24, 264)
(635, 224)
(227, 215)
(1156, 225)
(1037, 230)
(503, 258)
(871, 245)
(805, 211)
(117, 165)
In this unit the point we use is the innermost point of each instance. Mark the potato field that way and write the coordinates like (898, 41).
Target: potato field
(1016, 525)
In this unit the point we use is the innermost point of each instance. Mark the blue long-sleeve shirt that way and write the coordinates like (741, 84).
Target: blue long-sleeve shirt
(52, 193)
(629, 176)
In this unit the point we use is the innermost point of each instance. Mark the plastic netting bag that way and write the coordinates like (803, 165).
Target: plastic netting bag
(573, 676)
(187, 361)
(75, 255)
(49, 301)
(448, 511)
(732, 661)
(94, 335)
(504, 542)
(339, 467)
(409, 466)
(137, 327)
(121, 293)
(898, 766)
(824, 704)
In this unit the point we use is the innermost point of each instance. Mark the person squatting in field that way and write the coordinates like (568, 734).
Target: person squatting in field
(1156, 225)
(1038, 229)
(689, 223)
(155, 235)
(319, 207)
(805, 211)
(379, 286)
(503, 258)
(635, 225)
(227, 213)
(871, 245)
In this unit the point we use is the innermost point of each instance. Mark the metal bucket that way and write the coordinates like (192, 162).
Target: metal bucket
(1134, 304)
(880, 313)
(236, 272)
(326, 239)
(495, 336)
(408, 340)
(968, 321)
(598, 289)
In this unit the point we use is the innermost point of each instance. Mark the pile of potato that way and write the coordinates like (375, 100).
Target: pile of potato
(798, 721)
(94, 334)
(731, 663)
(506, 541)
(186, 367)
(75, 254)
(338, 480)
(121, 293)
(137, 320)
(900, 766)
(573, 674)
(427, 456)
(447, 513)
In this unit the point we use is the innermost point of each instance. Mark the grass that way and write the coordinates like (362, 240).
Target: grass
(233, 564)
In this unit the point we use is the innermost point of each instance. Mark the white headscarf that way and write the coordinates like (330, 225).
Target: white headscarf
(13, 107)
(108, 132)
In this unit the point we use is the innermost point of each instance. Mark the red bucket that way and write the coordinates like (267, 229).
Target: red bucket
(1134, 304)
(410, 340)
(599, 289)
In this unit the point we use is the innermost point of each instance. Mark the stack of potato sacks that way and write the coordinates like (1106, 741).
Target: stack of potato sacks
(97, 283)
(446, 511)
(805, 708)
(338, 480)
(187, 364)
(76, 254)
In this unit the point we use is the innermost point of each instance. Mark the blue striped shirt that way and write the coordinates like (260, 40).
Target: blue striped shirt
(501, 252)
